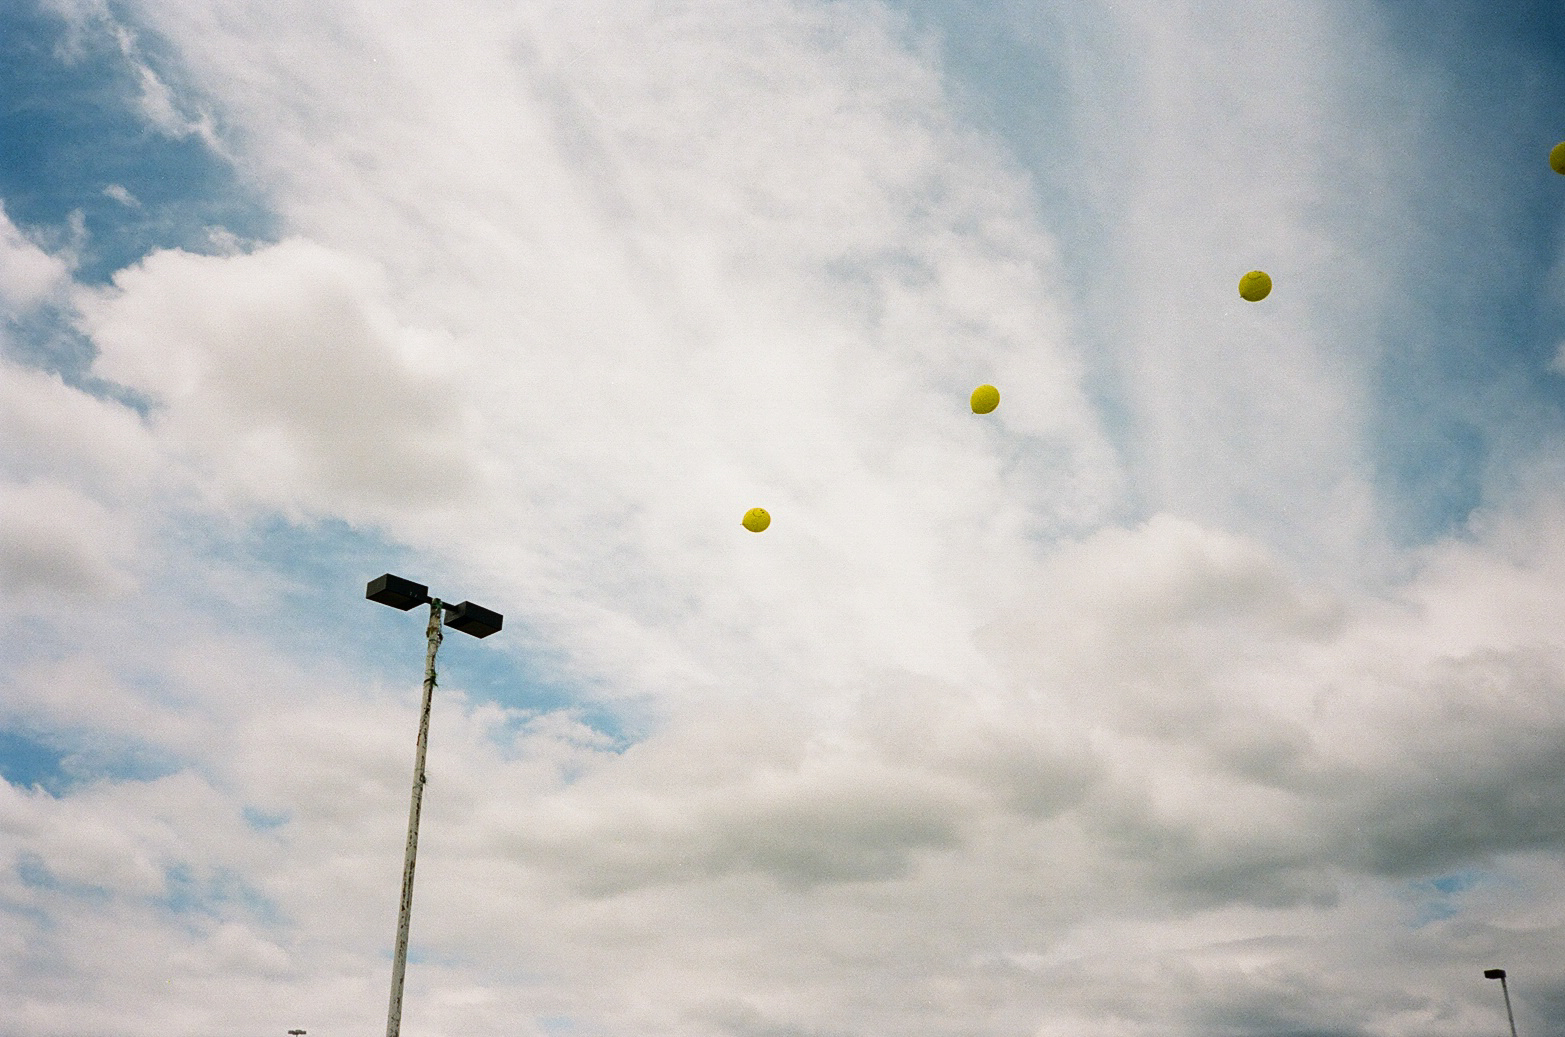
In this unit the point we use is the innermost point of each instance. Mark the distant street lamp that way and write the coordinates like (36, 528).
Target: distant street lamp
(1499, 974)
(470, 619)
(295, 1033)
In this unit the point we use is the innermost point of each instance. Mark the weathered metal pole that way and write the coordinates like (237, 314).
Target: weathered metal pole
(399, 961)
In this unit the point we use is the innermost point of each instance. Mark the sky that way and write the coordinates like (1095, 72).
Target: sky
(1214, 684)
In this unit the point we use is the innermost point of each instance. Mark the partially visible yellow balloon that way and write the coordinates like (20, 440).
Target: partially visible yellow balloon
(1557, 158)
(1255, 286)
(985, 399)
(756, 520)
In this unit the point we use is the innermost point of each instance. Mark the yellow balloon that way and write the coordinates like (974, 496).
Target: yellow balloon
(756, 520)
(1255, 286)
(985, 399)
(1557, 158)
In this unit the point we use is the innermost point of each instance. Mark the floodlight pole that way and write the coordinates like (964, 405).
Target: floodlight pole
(1499, 974)
(399, 963)
(471, 619)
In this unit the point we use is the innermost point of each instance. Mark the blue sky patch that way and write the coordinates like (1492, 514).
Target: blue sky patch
(216, 897)
(57, 762)
(265, 821)
(1438, 899)
(325, 566)
(27, 762)
(35, 872)
(76, 141)
(1472, 368)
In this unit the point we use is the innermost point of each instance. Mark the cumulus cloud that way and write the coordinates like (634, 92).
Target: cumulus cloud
(54, 429)
(284, 375)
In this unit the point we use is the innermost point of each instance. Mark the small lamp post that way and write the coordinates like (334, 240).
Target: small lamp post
(295, 1033)
(469, 619)
(1499, 974)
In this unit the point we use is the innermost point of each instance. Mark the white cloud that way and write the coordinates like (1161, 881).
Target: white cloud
(657, 327)
(53, 429)
(284, 376)
(120, 194)
(55, 541)
(956, 746)
(28, 274)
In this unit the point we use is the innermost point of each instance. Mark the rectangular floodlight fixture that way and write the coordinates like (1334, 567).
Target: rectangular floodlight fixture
(473, 619)
(1493, 973)
(397, 592)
